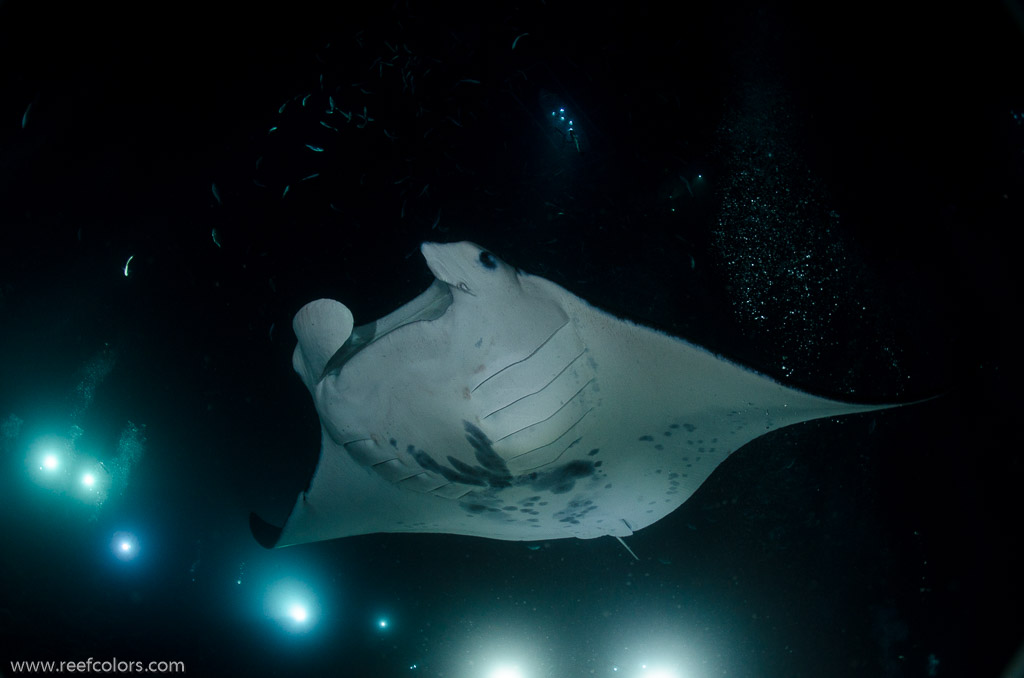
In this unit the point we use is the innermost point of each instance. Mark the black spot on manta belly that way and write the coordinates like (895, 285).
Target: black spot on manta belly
(492, 472)
(645, 439)
(477, 508)
(488, 458)
(575, 510)
(563, 478)
(428, 463)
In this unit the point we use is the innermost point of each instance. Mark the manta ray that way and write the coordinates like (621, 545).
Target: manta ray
(498, 404)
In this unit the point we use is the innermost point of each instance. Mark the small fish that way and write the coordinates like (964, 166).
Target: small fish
(315, 149)
(126, 265)
(311, 176)
(686, 182)
(305, 99)
(24, 117)
(469, 82)
(272, 129)
(216, 194)
(366, 119)
(516, 41)
(215, 237)
(286, 189)
(335, 129)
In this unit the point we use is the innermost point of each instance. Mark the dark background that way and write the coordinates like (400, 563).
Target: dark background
(831, 196)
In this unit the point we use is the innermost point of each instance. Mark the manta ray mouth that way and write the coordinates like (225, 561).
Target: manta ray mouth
(430, 305)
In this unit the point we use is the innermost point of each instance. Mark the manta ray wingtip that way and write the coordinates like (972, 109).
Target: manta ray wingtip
(265, 534)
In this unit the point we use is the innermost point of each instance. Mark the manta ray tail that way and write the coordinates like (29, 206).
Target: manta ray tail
(625, 546)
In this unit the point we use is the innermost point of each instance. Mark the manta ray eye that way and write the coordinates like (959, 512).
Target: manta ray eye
(488, 260)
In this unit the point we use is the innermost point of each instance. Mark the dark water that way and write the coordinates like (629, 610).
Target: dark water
(829, 196)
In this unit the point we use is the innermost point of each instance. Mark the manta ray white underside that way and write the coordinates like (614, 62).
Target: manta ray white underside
(498, 404)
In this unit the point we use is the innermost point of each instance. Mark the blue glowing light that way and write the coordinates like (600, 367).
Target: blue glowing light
(382, 623)
(125, 546)
(567, 128)
(506, 672)
(292, 605)
(94, 483)
(48, 460)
